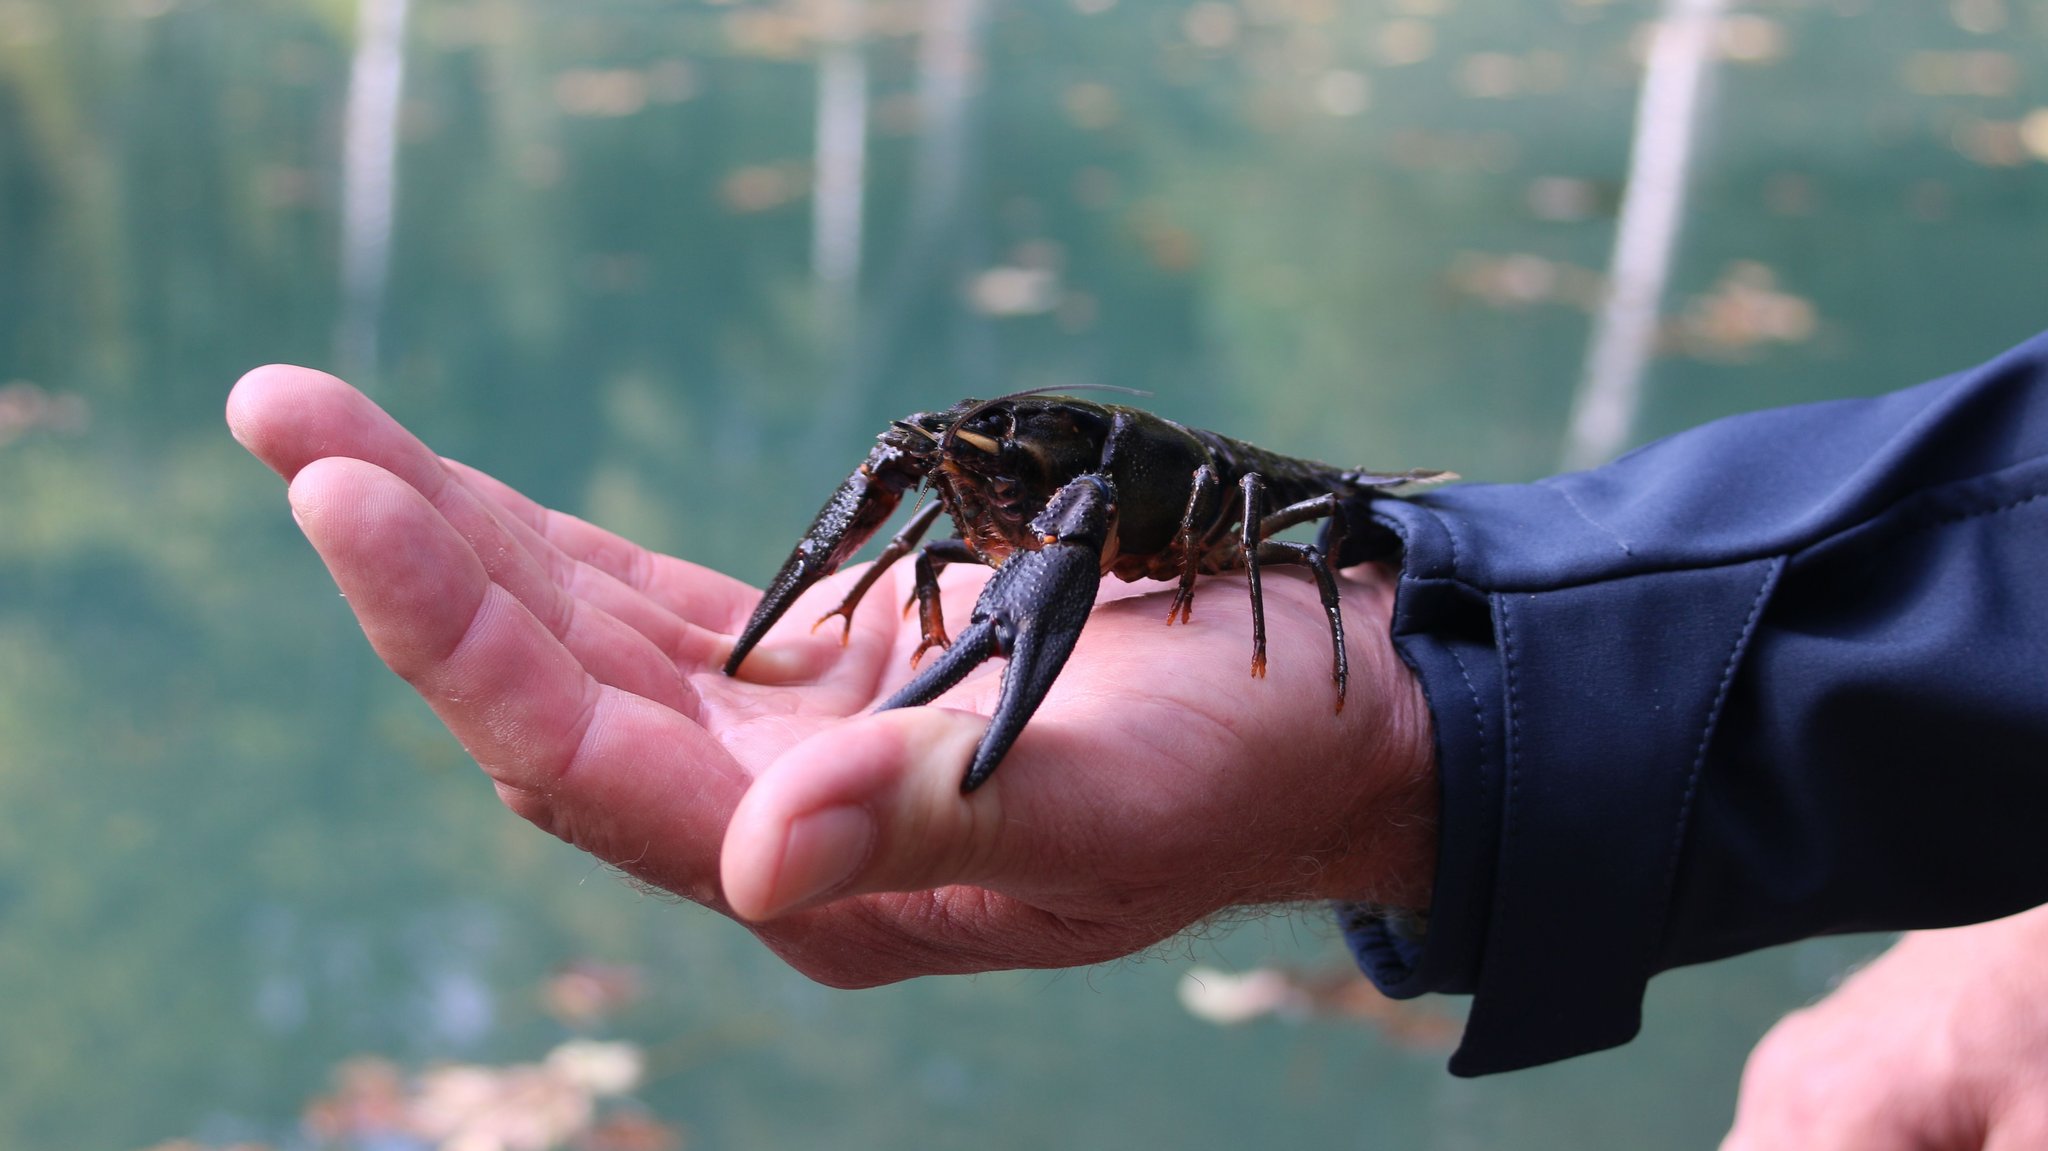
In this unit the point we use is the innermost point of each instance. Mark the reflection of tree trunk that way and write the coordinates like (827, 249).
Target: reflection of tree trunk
(948, 57)
(369, 179)
(841, 174)
(57, 146)
(1625, 331)
(946, 61)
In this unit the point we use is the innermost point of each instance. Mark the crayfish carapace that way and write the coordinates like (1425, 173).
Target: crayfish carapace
(1054, 492)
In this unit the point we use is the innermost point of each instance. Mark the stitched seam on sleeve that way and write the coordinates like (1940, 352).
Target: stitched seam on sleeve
(1478, 727)
(1451, 534)
(1881, 535)
(1713, 719)
(1878, 531)
(1571, 501)
(1906, 524)
(1512, 786)
(1959, 517)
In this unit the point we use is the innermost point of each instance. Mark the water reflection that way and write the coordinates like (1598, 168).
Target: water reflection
(1674, 89)
(235, 856)
(841, 160)
(369, 178)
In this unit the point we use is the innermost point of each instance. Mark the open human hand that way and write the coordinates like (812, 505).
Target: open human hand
(1157, 784)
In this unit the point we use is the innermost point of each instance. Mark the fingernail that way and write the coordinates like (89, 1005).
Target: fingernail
(823, 850)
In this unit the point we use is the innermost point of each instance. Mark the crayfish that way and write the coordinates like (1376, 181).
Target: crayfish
(1053, 493)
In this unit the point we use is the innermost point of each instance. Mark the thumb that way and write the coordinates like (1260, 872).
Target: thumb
(872, 804)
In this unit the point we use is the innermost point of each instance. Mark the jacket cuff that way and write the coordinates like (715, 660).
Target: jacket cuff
(1562, 716)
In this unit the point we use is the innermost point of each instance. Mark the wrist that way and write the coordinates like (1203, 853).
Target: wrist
(1386, 856)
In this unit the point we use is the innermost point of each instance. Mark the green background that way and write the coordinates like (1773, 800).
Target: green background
(234, 851)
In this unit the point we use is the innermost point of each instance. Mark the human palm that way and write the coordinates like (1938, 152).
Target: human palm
(1157, 784)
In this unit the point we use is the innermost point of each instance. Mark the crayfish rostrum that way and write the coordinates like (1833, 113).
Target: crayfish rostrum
(1053, 492)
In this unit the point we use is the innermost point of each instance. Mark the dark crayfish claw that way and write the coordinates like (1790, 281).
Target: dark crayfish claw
(1031, 611)
(861, 505)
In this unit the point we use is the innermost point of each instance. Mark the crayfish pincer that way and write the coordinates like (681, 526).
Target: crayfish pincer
(1054, 493)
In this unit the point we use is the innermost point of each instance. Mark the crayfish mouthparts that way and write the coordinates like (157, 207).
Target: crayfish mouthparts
(1118, 491)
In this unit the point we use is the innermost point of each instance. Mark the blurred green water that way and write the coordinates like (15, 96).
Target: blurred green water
(234, 852)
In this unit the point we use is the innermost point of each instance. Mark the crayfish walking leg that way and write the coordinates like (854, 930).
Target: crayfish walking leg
(896, 549)
(1202, 494)
(1258, 549)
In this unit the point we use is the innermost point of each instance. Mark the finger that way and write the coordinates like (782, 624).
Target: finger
(649, 660)
(708, 598)
(873, 805)
(291, 416)
(609, 771)
(708, 607)
(687, 641)
(876, 808)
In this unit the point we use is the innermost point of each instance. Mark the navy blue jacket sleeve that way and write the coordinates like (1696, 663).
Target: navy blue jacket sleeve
(1782, 675)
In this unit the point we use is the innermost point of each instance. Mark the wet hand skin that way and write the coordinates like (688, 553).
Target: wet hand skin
(1154, 787)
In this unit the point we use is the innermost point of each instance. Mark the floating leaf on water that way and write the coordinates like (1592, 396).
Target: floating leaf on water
(583, 994)
(1336, 993)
